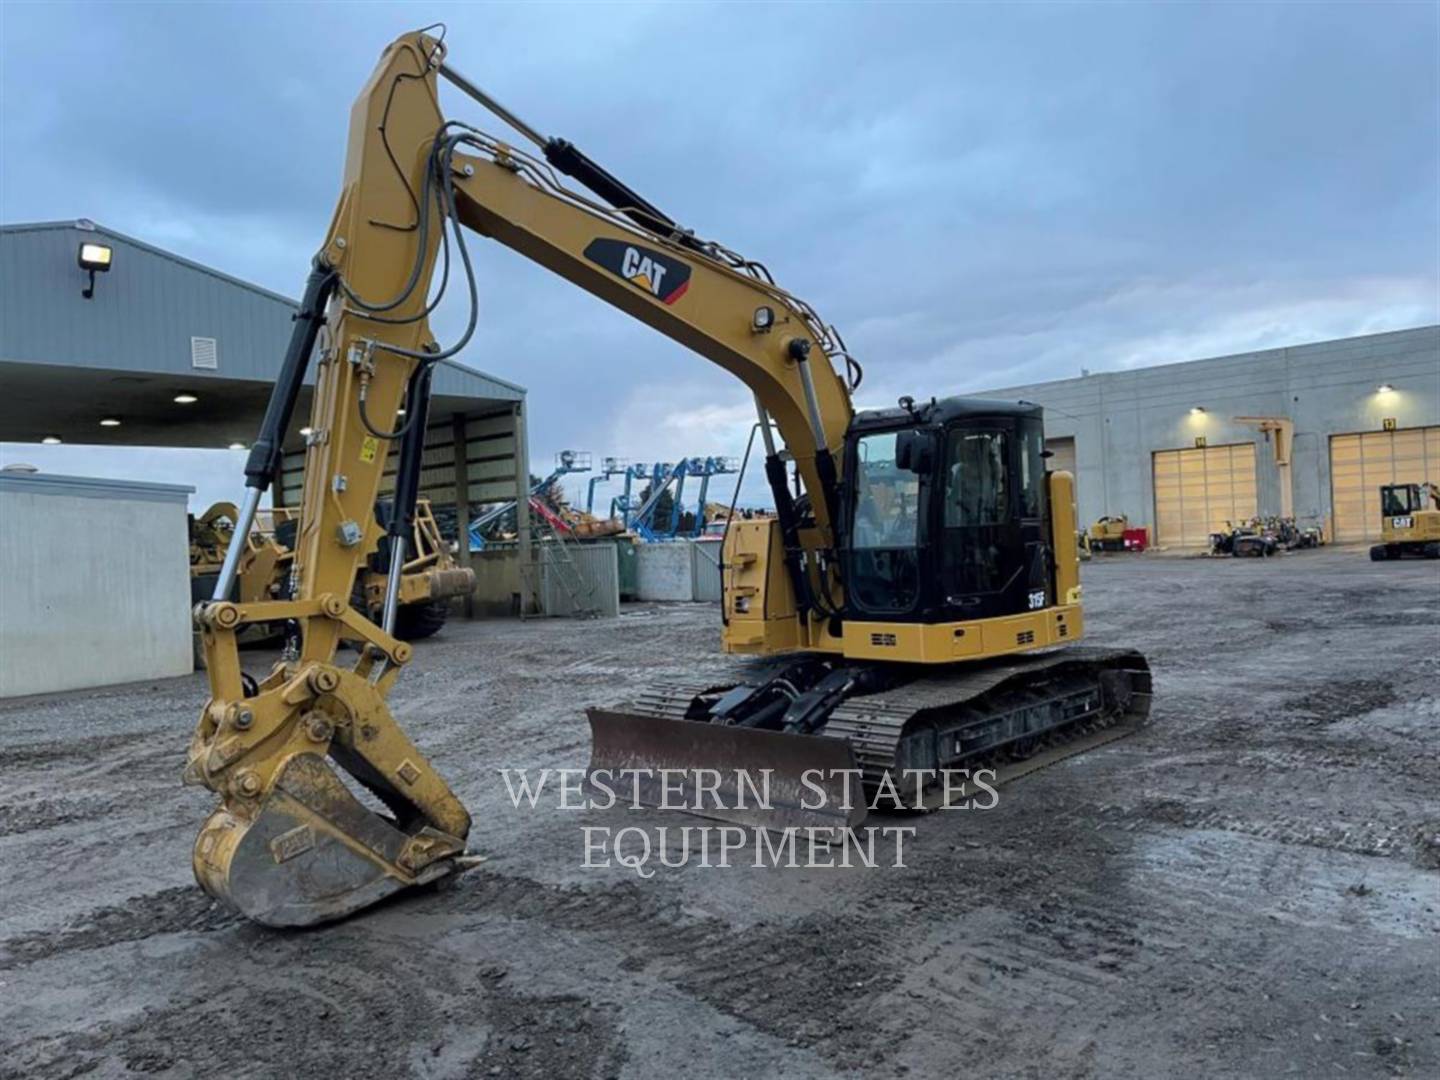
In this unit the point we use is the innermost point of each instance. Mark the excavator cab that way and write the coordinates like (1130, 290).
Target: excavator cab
(1409, 522)
(1400, 499)
(946, 516)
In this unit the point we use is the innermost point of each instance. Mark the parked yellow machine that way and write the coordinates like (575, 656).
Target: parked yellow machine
(432, 577)
(1108, 533)
(262, 572)
(913, 600)
(1409, 522)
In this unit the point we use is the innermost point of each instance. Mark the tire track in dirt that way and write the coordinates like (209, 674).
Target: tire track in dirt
(291, 1014)
(811, 981)
(180, 910)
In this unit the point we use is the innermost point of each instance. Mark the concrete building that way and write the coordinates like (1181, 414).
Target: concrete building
(1310, 430)
(94, 582)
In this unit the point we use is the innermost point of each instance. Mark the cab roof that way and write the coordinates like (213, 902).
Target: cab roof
(945, 411)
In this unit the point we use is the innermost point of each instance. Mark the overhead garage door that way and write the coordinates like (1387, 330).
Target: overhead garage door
(1062, 454)
(1361, 462)
(1198, 491)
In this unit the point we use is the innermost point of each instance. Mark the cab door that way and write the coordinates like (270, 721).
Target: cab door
(981, 554)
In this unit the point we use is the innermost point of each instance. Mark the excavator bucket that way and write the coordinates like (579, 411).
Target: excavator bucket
(312, 852)
(765, 779)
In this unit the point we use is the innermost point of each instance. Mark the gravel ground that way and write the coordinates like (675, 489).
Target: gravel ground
(1249, 886)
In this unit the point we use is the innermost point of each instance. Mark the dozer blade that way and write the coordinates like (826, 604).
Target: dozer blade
(766, 779)
(311, 852)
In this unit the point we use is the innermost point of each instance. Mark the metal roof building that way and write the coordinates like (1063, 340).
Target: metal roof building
(160, 326)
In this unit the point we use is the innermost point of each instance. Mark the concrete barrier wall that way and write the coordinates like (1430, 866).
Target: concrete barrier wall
(497, 581)
(94, 582)
(679, 570)
(664, 572)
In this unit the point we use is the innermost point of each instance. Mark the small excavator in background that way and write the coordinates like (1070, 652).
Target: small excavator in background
(432, 576)
(1409, 522)
(913, 604)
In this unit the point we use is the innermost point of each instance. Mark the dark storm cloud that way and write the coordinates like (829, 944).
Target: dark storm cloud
(977, 196)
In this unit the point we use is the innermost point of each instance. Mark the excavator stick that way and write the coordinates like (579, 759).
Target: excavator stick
(766, 779)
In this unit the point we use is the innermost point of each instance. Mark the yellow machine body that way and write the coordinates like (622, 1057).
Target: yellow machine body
(1409, 522)
(761, 616)
(1421, 527)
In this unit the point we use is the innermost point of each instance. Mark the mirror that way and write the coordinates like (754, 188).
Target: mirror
(915, 450)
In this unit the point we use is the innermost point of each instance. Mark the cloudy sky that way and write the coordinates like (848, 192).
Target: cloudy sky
(977, 195)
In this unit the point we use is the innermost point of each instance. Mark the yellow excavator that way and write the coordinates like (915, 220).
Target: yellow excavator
(1409, 522)
(909, 596)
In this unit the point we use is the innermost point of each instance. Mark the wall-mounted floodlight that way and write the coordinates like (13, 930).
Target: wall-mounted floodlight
(51, 440)
(185, 399)
(1384, 388)
(1197, 410)
(94, 258)
(110, 421)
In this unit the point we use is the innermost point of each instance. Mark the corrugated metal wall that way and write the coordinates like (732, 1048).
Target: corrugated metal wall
(148, 307)
(144, 311)
(489, 452)
(590, 585)
(705, 570)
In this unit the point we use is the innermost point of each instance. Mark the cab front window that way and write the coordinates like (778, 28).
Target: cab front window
(886, 496)
(1399, 499)
(884, 529)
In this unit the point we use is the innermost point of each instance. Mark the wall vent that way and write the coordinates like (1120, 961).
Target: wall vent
(203, 354)
(1025, 637)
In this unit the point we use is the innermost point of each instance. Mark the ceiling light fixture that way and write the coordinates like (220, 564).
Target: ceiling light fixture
(1197, 410)
(1384, 388)
(237, 446)
(110, 421)
(185, 399)
(51, 440)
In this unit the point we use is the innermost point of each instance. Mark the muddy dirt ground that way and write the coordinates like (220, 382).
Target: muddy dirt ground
(1250, 886)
